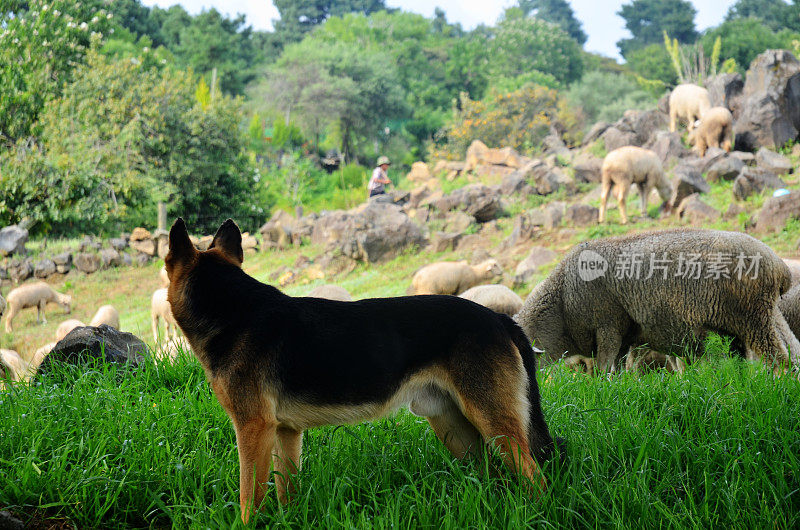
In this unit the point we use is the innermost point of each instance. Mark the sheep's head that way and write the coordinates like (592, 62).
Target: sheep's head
(65, 302)
(491, 268)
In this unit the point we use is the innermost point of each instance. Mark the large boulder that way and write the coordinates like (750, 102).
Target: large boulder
(581, 214)
(19, 270)
(12, 240)
(479, 201)
(44, 267)
(110, 258)
(479, 154)
(546, 179)
(63, 262)
(696, 212)
(144, 246)
(278, 231)
(419, 172)
(725, 90)
(537, 257)
(458, 221)
(587, 167)
(754, 180)
(773, 162)
(667, 146)
(595, 132)
(727, 168)
(104, 342)
(777, 210)
(87, 262)
(379, 232)
(687, 181)
(770, 114)
(615, 138)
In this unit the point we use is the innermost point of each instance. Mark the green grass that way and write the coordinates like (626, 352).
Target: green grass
(716, 447)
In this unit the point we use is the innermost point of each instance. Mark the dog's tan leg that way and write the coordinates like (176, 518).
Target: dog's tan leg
(286, 459)
(254, 440)
(456, 433)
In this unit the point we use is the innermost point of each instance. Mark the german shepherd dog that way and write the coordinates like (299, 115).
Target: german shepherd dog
(279, 365)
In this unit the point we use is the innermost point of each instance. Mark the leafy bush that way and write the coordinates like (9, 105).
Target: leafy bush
(743, 39)
(606, 96)
(652, 62)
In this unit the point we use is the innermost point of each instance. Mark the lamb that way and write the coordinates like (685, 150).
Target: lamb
(65, 327)
(331, 292)
(37, 295)
(632, 165)
(498, 298)
(163, 278)
(666, 289)
(687, 103)
(160, 309)
(107, 314)
(449, 277)
(12, 367)
(715, 129)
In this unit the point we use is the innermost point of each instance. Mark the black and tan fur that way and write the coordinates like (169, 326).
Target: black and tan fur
(280, 365)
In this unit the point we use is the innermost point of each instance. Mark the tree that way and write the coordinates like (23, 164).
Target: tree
(647, 20)
(522, 44)
(606, 96)
(298, 17)
(41, 42)
(772, 13)
(135, 17)
(558, 12)
(743, 39)
(652, 62)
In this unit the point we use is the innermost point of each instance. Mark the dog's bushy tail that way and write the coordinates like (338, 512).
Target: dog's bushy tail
(539, 439)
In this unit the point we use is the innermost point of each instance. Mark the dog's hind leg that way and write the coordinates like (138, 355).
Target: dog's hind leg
(286, 459)
(456, 432)
(254, 440)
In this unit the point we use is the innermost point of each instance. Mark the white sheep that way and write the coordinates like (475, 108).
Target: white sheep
(687, 103)
(160, 309)
(715, 129)
(12, 367)
(107, 314)
(632, 165)
(65, 327)
(163, 277)
(37, 295)
(330, 291)
(453, 277)
(794, 268)
(498, 298)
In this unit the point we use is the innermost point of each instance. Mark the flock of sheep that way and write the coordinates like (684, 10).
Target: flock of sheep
(708, 127)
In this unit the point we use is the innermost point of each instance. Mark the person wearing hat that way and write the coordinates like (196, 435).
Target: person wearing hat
(379, 177)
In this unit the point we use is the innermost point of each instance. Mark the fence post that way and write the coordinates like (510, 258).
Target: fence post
(162, 216)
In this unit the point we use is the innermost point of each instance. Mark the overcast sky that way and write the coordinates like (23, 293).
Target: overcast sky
(599, 17)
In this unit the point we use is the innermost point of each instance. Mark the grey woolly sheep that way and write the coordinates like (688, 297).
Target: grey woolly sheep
(794, 268)
(644, 359)
(687, 103)
(107, 314)
(790, 308)
(331, 292)
(453, 277)
(632, 165)
(35, 294)
(598, 300)
(715, 129)
(498, 298)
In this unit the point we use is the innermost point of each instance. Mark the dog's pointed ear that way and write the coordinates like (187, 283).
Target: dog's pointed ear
(180, 246)
(228, 240)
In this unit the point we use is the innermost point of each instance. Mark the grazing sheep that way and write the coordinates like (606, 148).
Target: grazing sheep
(170, 349)
(160, 309)
(65, 327)
(453, 277)
(794, 268)
(331, 292)
(598, 300)
(39, 356)
(37, 295)
(632, 165)
(715, 129)
(790, 308)
(163, 278)
(581, 364)
(498, 298)
(107, 314)
(687, 103)
(644, 360)
(12, 367)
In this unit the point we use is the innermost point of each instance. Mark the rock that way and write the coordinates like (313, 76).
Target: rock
(118, 243)
(144, 246)
(696, 212)
(486, 172)
(663, 103)
(745, 157)
(125, 259)
(204, 242)
(595, 132)
(458, 222)
(86, 262)
(12, 240)
(44, 268)
(141, 259)
(733, 211)
(376, 233)
(109, 258)
(249, 242)
(19, 270)
(63, 262)
(777, 210)
(553, 144)
(442, 241)
(419, 172)
(754, 180)
(140, 234)
(667, 146)
(537, 257)
(548, 216)
(9, 522)
(546, 179)
(472, 243)
(581, 214)
(727, 168)
(523, 230)
(587, 167)
(89, 244)
(615, 138)
(103, 342)
(687, 181)
(725, 90)
(773, 162)
(278, 230)
(643, 123)
(479, 201)
(506, 156)
(515, 183)
(475, 154)
(163, 248)
(770, 114)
